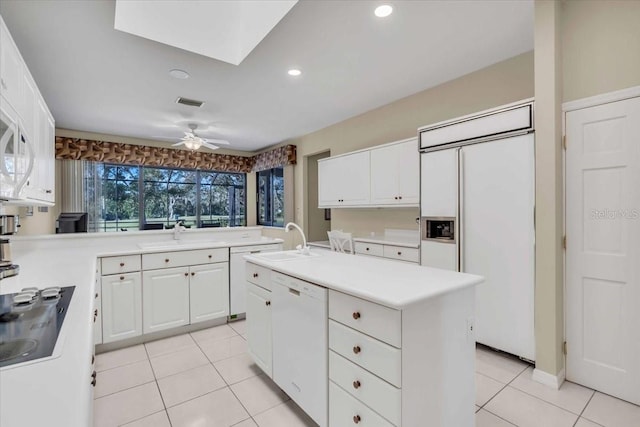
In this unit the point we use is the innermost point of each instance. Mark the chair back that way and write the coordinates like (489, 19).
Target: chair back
(341, 241)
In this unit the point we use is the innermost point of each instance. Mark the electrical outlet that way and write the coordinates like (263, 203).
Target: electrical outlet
(471, 329)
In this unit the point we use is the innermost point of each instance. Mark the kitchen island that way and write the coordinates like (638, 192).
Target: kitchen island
(392, 343)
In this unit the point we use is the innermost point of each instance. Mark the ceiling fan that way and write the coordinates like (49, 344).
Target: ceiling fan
(194, 142)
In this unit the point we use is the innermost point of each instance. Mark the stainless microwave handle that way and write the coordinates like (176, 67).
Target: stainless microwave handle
(460, 222)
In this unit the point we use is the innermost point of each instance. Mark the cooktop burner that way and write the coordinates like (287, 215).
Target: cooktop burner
(30, 322)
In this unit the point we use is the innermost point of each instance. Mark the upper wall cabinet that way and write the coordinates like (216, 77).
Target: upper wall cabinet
(33, 127)
(11, 70)
(343, 181)
(395, 174)
(383, 176)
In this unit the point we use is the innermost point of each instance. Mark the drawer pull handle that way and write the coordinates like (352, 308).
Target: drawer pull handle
(166, 260)
(356, 419)
(367, 248)
(93, 382)
(122, 264)
(396, 197)
(121, 277)
(399, 253)
(210, 256)
(93, 358)
(356, 384)
(267, 303)
(186, 274)
(255, 275)
(193, 273)
(400, 197)
(356, 315)
(94, 374)
(356, 349)
(96, 295)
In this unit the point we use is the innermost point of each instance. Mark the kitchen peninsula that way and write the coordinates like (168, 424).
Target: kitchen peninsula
(378, 343)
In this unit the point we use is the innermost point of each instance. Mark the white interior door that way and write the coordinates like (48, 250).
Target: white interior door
(497, 191)
(603, 248)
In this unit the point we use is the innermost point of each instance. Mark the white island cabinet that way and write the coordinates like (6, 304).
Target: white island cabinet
(400, 342)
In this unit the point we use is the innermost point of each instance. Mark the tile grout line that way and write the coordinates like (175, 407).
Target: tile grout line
(157, 385)
(585, 408)
(505, 386)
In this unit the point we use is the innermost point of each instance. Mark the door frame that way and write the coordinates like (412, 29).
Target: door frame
(567, 107)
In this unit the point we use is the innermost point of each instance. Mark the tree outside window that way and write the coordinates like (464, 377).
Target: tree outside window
(271, 197)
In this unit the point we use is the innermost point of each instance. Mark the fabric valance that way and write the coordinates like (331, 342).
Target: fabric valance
(130, 154)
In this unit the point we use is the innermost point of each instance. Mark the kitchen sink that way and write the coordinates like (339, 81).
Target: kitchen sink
(285, 255)
(179, 243)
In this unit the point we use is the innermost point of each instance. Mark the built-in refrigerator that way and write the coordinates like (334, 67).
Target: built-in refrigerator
(477, 209)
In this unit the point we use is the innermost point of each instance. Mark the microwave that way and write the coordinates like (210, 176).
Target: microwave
(439, 229)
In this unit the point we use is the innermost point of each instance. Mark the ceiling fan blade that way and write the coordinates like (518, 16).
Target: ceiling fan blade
(217, 141)
(210, 146)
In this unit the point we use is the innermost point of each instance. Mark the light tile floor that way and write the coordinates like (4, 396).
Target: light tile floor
(206, 379)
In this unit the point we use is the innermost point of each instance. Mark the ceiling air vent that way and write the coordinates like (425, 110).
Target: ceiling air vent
(189, 102)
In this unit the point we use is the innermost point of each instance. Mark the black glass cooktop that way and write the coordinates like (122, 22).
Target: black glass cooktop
(31, 322)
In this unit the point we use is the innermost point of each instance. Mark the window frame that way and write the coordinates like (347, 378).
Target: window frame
(270, 222)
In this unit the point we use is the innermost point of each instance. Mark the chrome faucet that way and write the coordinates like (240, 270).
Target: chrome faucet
(304, 248)
(177, 230)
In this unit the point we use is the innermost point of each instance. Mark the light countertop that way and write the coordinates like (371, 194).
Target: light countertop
(389, 240)
(387, 282)
(56, 391)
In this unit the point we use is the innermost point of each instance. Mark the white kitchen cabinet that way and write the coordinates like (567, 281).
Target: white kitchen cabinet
(121, 306)
(40, 187)
(165, 299)
(395, 174)
(343, 181)
(97, 313)
(208, 292)
(259, 327)
(11, 70)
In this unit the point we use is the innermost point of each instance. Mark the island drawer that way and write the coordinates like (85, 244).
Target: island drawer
(375, 356)
(120, 264)
(184, 258)
(366, 387)
(402, 253)
(345, 410)
(369, 249)
(373, 319)
(258, 275)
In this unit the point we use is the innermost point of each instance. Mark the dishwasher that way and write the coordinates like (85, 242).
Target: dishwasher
(300, 335)
(237, 277)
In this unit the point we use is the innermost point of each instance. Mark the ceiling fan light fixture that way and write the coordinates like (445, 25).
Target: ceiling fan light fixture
(193, 143)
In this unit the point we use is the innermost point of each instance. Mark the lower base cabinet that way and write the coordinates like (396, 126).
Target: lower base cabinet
(259, 327)
(121, 306)
(165, 299)
(208, 292)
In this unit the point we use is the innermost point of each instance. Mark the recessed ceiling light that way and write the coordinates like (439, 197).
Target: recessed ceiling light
(383, 11)
(179, 74)
(294, 72)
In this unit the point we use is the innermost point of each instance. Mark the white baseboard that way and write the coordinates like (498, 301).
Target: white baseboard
(550, 380)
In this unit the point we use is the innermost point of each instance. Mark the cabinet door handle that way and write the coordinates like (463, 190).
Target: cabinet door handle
(121, 277)
(356, 315)
(399, 253)
(96, 295)
(356, 384)
(356, 419)
(186, 274)
(367, 249)
(166, 260)
(93, 358)
(48, 191)
(255, 275)
(396, 197)
(210, 256)
(94, 375)
(356, 349)
(122, 264)
(193, 273)
(399, 197)
(267, 303)
(93, 382)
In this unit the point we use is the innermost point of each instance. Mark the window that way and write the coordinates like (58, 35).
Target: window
(120, 198)
(271, 197)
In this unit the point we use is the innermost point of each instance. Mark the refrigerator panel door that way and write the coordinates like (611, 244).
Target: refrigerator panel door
(439, 183)
(497, 235)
